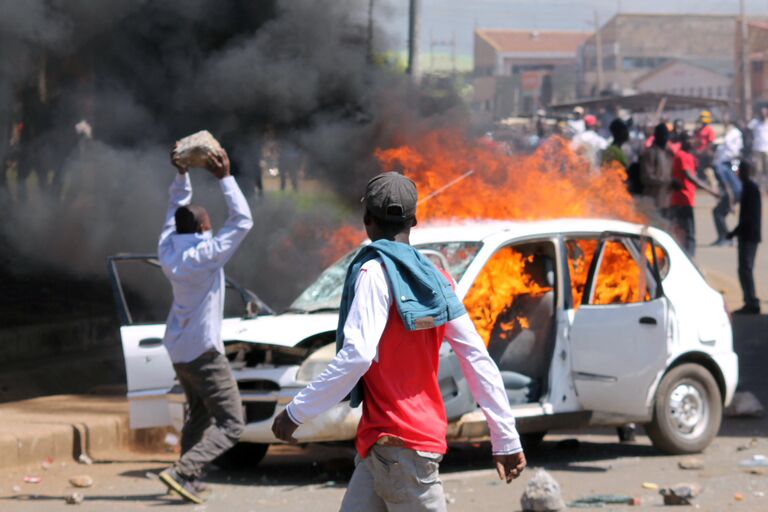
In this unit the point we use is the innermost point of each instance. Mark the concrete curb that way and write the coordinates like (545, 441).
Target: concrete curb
(65, 426)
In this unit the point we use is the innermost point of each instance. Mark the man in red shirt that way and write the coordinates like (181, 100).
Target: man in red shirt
(401, 436)
(685, 182)
(705, 137)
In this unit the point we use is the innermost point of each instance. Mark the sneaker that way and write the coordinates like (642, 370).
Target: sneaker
(181, 485)
(748, 310)
(200, 487)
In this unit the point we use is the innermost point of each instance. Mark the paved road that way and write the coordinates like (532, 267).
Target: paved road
(292, 479)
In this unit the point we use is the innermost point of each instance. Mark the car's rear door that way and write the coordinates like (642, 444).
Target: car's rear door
(618, 336)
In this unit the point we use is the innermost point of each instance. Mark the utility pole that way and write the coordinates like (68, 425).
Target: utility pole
(745, 92)
(414, 20)
(599, 53)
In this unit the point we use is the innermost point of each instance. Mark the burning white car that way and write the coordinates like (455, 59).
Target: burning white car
(591, 322)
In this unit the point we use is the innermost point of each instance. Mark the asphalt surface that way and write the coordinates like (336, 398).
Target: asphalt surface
(584, 463)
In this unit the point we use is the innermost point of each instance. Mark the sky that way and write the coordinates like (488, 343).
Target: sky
(442, 19)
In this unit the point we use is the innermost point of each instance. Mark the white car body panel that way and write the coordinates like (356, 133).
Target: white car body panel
(691, 319)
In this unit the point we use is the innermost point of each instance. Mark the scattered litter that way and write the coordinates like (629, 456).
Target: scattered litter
(16, 489)
(75, 498)
(738, 496)
(85, 459)
(47, 463)
(650, 486)
(81, 481)
(758, 494)
(680, 494)
(568, 444)
(745, 405)
(758, 471)
(29, 479)
(752, 444)
(691, 463)
(542, 494)
(756, 461)
(449, 499)
(598, 500)
(151, 475)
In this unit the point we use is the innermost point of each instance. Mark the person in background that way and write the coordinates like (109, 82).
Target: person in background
(675, 134)
(749, 234)
(656, 170)
(193, 259)
(576, 124)
(589, 143)
(759, 129)
(683, 200)
(730, 187)
(614, 152)
(705, 138)
(395, 312)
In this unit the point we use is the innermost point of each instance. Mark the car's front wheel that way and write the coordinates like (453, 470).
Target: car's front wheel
(687, 410)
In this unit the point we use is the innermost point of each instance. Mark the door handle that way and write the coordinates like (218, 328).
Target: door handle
(150, 343)
(648, 320)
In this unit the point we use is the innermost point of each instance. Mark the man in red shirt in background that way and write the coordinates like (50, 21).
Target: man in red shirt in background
(705, 137)
(685, 182)
(402, 434)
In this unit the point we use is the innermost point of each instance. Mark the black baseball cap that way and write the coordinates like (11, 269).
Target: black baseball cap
(391, 197)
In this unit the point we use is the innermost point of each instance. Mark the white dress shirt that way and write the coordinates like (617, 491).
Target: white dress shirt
(363, 329)
(194, 263)
(759, 129)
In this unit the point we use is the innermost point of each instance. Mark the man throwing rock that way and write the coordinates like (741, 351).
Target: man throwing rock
(396, 310)
(193, 259)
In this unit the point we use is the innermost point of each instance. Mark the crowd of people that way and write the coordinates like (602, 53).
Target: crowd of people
(667, 164)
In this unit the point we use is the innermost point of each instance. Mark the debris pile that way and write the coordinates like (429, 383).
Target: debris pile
(681, 494)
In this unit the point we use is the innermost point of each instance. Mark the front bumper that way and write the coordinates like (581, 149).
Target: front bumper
(265, 392)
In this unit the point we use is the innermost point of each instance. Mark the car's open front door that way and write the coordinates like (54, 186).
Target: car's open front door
(619, 332)
(148, 368)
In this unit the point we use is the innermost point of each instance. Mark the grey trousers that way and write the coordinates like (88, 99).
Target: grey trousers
(215, 420)
(394, 479)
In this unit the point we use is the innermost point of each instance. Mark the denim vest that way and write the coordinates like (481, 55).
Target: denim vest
(422, 294)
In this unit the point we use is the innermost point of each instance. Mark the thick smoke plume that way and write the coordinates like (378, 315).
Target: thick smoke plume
(143, 74)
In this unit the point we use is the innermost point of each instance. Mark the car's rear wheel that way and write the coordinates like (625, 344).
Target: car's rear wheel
(242, 456)
(687, 410)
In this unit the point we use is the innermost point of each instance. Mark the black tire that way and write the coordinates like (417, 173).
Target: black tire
(677, 426)
(532, 440)
(242, 456)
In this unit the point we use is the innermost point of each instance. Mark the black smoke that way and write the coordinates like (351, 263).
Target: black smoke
(145, 73)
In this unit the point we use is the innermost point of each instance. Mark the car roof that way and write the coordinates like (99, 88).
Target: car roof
(479, 230)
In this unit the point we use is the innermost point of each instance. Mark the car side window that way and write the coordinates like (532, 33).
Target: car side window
(624, 274)
(580, 255)
(508, 278)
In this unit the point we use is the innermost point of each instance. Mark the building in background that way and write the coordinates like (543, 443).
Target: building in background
(635, 44)
(518, 71)
(703, 78)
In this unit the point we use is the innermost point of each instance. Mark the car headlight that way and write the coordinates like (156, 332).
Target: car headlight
(316, 363)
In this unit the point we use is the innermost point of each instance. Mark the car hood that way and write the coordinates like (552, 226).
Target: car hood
(285, 330)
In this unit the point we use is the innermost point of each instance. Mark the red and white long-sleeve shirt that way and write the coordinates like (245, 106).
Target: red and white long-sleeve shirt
(399, 370)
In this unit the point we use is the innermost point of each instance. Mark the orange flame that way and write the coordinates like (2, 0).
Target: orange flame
(494, 291)
(552, 182)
